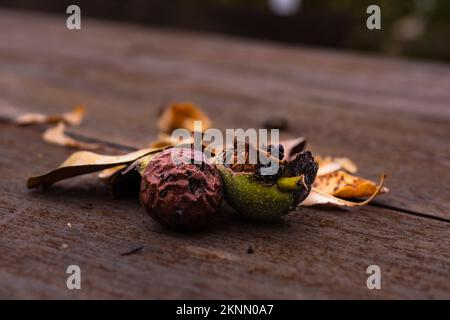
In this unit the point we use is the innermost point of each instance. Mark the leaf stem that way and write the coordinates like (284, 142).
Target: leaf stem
(291, 183)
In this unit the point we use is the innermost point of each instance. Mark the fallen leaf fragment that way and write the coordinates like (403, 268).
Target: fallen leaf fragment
(182, 115)
(330, 164)
(108, 173)
(73, 118)
(160, 144)
(344, 185)
(132, 251)
(86, 162)
(318, 197)
(292, 147)
(165, 140)
(57, 136)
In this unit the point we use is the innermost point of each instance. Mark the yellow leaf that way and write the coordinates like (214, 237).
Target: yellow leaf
(165, 140)
(292, 147)
(343, 185)
(108, 173)
(56, 135)
(73, 118)
(85, 162)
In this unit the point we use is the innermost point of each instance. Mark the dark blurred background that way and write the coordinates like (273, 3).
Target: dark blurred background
(412, 28)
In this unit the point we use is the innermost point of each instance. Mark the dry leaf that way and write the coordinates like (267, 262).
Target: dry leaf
(329, 164)
(109, 173)
(343, 185)
(182, 115)
(85, 162)
(160, 144)
(318, 197)
(164, 140)
(56, 135)
(292, 147)
(73, 118)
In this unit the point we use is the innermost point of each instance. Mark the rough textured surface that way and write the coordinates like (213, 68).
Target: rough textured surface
(389, 116)
(253, 199)
(181, 189)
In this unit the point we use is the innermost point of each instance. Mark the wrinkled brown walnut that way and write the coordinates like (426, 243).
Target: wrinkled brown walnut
(181, 196)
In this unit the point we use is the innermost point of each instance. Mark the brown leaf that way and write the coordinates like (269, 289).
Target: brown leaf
(292, 147)
(319, 197)
(276, 122)
(330, 164)
(56, 135)
(107, 174)
(73, 118)
(86, 162)
(182, 115)
(343, 185)
(160, 144)
(165, 140)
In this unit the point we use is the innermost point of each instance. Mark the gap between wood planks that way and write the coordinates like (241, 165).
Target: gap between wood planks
(122, 147)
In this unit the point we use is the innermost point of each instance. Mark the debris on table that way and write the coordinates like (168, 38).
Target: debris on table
(132, 251)
(182, 115)
(57, 136)
(83, 162)
(186, 196)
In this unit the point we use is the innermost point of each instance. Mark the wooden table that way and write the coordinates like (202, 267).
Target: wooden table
(389, 116)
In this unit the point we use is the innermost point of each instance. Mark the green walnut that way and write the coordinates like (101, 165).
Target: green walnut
(268, 198)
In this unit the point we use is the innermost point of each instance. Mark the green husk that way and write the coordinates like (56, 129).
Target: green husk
(254, 199)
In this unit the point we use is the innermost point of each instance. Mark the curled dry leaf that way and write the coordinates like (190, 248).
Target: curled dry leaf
(109, 173)
(333, 183)
(164, 140)
(292, 147)
(73, 118)
(86, 162)
(56, 135)
(182, 115)
(160, 144)
(318, 197)
(330, 164)
(343, 185)
(126, 182)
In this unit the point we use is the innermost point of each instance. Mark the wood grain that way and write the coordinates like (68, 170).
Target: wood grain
(389, 116)
(310, 254)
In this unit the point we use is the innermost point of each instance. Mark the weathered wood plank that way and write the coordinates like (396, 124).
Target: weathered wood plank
(311, 254)
(389, 116)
